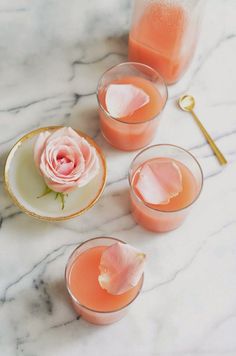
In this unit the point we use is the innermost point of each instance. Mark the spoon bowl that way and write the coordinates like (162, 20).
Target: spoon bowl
(186, 102)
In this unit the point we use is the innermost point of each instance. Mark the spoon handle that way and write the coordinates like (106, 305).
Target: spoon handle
(211, 142)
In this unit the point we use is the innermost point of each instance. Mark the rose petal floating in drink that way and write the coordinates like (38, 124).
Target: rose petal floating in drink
(159, 181)
(121, 268)
(124, 99)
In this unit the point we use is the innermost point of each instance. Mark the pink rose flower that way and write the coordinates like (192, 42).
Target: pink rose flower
(65, 159)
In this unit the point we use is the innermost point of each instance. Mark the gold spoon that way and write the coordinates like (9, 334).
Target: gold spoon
(187, 103)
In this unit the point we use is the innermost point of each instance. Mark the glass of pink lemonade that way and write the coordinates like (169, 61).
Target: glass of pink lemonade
(131, 97)
(89, 300)
(165, 181)
(164, 34)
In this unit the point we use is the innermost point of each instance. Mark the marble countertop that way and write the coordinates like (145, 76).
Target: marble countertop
(52, 54)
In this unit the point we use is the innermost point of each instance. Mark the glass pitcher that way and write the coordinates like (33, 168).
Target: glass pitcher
(164, 34)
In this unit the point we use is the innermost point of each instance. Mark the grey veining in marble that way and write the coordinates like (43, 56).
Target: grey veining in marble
(52, 54)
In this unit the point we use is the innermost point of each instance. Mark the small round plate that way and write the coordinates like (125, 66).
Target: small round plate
(25, 185)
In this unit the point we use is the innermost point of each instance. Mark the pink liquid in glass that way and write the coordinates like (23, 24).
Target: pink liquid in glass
(89, 300)
(136, 130)
(163, 38)
(164, 217)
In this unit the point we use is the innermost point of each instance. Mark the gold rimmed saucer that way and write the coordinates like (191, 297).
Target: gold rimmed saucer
(24, 183)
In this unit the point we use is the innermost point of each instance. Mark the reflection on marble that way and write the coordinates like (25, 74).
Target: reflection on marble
(52, 54)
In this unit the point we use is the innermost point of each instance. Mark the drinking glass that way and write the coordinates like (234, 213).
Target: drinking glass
(156, 219)
(91, 315)
(122, 134)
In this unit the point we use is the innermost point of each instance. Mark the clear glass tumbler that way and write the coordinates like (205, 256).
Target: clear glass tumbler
(160, 220)
(125, 134)
(91, 315)
(164, 35)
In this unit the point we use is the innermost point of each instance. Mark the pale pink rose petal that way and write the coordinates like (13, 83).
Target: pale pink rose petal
(39, 146)
(124, 99)
(63, 151)
(72, 143)
(60, 188)
(73, 134)
(66, 134)
(62, 154)
(91, 163)
(78, 156)
(65, 168)
(121, 267)
(55, 177)
(87, 176)
(86, 149)
(159, 181)
(73, 147)
(63, 161)
(63, 132)
(87, 152)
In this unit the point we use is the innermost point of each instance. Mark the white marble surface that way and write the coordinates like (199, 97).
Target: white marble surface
(52, 54)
